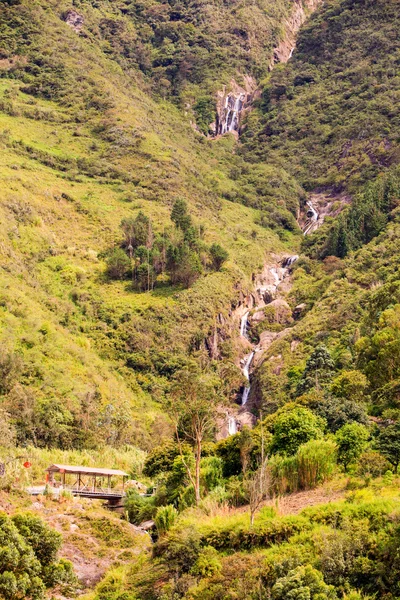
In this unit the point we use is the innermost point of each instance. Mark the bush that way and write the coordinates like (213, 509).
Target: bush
(313, 464)
(165, 518)
(372, 464)
(303, 583)
(28, 553)
(207, 563)
(218, 256)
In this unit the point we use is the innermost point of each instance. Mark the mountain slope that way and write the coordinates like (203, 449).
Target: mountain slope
(331, 116)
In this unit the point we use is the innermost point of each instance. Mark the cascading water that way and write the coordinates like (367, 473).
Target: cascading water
(229, 120)
(275, 275)
(246, 373)
(289, 261)
(232, 426)
(313, 217)
(244, 323)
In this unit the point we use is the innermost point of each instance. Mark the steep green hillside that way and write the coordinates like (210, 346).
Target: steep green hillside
(84, 146)
(331, 116)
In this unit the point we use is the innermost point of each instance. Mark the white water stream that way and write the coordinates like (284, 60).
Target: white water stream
(232, 426)
(246, 373)
(312, 218)
(244, 322)
(231, 113)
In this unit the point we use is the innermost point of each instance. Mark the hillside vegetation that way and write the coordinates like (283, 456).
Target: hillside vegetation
(85, 146)
(129, 239)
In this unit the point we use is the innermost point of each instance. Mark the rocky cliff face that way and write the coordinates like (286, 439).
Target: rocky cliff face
(232, 104)
(301, 9)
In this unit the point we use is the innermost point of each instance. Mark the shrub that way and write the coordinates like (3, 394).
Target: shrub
(218, 256)
(303, 583)
(165, 518)
(313, 464)
(207, 563)
(372, 464)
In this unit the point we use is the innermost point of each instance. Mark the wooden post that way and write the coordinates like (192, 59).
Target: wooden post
(79, 481)
(94, 483)
(64, 479)
(109, 482)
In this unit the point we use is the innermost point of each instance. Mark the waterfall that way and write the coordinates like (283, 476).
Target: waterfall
(246, 373)
(275, 275)
(244, 323)
(289, 261)
(232, 426)
(312, 218)
(291, 53)
(229, 120)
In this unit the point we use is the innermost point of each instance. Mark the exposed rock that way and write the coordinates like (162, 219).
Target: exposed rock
(74, 20)
(232, 105)
(293, 345)
(285, 48)
(147, 525)
(281, 310)
(299, 310)
(258, 317)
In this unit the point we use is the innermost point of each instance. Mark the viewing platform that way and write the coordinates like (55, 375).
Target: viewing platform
(86, 482)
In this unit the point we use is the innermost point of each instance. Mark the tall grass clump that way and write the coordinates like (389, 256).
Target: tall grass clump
(165, 518)
(313, 464)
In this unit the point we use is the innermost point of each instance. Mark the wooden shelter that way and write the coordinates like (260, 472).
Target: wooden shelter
(92, 482)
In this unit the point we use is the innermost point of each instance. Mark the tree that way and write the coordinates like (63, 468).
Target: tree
(351, 440)
(318, 371)
(180, 215)
(351, 385)
(218, 256)
(295, 427)
(338, 412)
(388, 444)
(192, 406)
(138, 231)
(303, 583)
(184, 264)
(28, 549)
(118, 264)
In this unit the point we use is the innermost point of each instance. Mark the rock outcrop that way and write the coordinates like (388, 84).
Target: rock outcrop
(301, 9)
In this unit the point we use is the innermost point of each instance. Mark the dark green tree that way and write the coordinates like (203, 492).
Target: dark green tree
(180, 215)
(388, 444)
(118, 264)
(218, 256)
(351, 440)
(318, 372)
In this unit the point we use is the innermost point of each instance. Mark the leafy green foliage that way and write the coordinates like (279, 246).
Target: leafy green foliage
(303, 583)
(351, 440)
(318, 371)
(218, 256)
(336, 102)
(388, 443)
(29, 550)
(165, 518)
(295, 427)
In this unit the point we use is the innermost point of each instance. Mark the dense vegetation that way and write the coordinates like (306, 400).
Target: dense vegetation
(128, 238)
(85, 147)
(331, 116)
